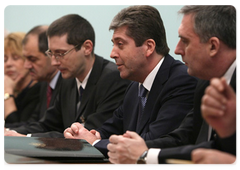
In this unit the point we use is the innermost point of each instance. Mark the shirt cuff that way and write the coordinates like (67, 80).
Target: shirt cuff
(152, 156)
(95, 142)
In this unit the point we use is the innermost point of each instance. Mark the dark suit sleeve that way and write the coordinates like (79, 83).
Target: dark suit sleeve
(226, 144)
(179, 136)
(102, 146)
(182, 152)
(51, 121)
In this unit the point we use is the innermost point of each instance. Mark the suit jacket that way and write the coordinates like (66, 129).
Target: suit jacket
(103, 94)
(170, 98)
(200, 141)
(41, 107)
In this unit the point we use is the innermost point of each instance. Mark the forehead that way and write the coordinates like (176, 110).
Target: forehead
(120, 33)
(186, 28)
(57, 42)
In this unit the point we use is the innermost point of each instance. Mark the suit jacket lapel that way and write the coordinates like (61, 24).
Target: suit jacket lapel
(56, 90)
(160, 79)
(92, 81)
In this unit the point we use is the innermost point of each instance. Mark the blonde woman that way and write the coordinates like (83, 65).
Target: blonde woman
(21, 93)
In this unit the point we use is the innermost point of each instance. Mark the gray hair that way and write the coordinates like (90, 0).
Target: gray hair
(214, 21)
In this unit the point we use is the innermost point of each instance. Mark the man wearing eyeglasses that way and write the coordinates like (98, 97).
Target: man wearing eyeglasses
(93, 88)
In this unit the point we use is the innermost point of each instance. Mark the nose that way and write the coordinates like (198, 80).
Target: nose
(54, 61)
(114, 54)
(179, 49)
(8, 62)
(27, 64)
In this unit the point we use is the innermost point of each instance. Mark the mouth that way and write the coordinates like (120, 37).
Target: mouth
(62, 70)
(119, 66)
(31, 72)
(9, 73)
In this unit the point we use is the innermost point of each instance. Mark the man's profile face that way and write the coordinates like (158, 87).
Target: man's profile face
(194, 53)
(127, 56)
(37, 62)
(70, 65)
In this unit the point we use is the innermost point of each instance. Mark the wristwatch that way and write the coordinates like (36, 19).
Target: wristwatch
(143, 158)
(7, 96)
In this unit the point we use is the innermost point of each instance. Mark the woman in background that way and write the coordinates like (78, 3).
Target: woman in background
(21, 93)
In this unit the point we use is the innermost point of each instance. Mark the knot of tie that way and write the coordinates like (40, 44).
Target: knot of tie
(142, 91)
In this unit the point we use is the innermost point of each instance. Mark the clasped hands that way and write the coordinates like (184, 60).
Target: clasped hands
(77, 131)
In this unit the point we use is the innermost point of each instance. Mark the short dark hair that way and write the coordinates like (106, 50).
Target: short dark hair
(77, 28)
(214, 21)
(143, 22)
(39, 30)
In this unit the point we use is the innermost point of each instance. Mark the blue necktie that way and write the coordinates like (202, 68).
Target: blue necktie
(142, 92)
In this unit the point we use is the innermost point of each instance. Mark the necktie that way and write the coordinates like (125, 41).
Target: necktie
(142, 92)
(49, 95)
(81, 90)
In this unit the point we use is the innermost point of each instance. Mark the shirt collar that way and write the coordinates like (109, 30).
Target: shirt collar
(84, 82)
(148, 82)
(53, 82)
(229, 73)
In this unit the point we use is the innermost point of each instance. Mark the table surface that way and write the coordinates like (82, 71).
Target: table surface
(17, 159)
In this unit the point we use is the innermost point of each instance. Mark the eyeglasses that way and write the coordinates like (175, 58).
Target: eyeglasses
(58, 55)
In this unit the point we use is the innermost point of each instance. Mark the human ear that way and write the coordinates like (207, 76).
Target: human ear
(150, 46)
(214, 44)
(88, 47)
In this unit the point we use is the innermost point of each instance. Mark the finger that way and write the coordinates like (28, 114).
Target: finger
(197, 155)
(211, 112)
(68, 135)
(114, 139)
(209, 101)
(214, 93)
(69, 130)
(132, 134)
(97, 134)
(229, 92)
(114, 161)
(76, 127)
(217, 83)
(93, 131)
(112, 155)
(111, 147)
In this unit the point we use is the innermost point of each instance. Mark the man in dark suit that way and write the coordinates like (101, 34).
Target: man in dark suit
(168, 88)
(93, 88)
(208, 52)
(219, 110)
(34, 46)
